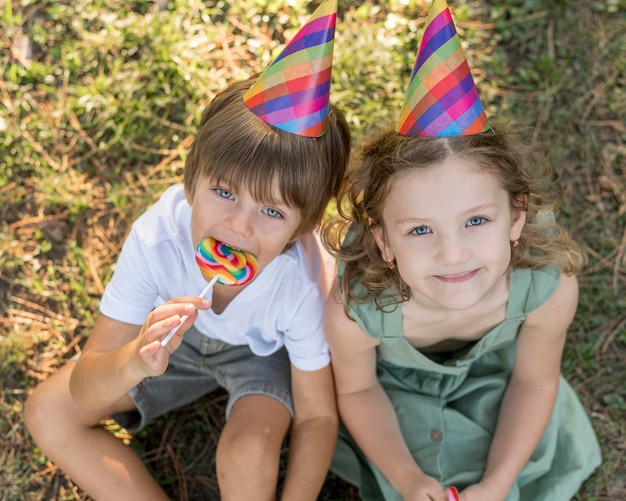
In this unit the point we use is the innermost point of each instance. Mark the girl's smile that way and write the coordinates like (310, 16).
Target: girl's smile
(457, 277)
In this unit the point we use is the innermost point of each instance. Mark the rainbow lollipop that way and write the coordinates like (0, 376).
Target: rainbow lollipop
(452, 494)
(231, 266)
(220, 263)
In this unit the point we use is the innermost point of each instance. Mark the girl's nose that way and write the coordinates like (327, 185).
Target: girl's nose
(452, 250)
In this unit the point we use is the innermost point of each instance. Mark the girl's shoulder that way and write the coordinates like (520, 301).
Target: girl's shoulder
(529, 289)
(560, 305)
(343, 329)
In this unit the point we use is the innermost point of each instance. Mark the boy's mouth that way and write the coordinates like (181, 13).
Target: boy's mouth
(230, 247)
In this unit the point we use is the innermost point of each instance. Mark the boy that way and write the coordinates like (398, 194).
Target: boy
(257, 187)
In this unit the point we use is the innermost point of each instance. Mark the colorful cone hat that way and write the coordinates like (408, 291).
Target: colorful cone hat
(292, 93)
(442, 99)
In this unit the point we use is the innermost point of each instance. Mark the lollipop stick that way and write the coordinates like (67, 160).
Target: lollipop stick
(204, 292)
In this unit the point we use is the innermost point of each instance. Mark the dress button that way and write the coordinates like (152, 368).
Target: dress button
(435, 435)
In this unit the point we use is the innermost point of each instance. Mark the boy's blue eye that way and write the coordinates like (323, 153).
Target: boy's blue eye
(476, 221)
(421, 230)
(224, 193)
(272, 212)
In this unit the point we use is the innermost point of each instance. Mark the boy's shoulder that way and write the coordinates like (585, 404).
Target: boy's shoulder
(306, 261)
(165, 219)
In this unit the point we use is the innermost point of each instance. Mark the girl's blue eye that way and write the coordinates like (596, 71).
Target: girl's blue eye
(272, 212)
(224, 193)
(421, 230)
(476, 221)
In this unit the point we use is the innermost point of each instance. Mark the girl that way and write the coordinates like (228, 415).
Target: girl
(447, 323)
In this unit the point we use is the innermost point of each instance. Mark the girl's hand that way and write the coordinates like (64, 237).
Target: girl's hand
(153, 357)
(423, 488)
(452, 494)
(480, 492)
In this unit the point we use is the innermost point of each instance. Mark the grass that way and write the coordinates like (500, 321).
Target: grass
(98, 104)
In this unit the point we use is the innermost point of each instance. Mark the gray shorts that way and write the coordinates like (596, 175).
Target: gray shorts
(201, 365)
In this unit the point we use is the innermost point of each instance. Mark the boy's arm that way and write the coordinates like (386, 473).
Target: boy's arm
(313, 433)
(118, 355)
(530, 394)
(366, 409)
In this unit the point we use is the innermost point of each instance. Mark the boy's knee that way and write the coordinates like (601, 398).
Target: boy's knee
(249, 451)
(42, 405)
(38, 414)
(46, 412)
(247, 465)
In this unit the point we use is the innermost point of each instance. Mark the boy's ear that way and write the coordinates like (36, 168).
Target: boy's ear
(295, 237)
(298, 235)
(188, 196)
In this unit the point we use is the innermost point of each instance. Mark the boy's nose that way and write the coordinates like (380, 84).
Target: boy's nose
(241, 222)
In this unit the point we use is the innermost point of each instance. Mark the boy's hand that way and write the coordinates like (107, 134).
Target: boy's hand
(154, 357)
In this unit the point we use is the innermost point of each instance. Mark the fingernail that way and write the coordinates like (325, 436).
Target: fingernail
(189, 308)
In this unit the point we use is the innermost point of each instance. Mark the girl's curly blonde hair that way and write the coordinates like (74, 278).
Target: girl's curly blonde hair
(349, 238)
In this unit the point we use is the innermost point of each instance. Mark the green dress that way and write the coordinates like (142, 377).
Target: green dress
(447, 406)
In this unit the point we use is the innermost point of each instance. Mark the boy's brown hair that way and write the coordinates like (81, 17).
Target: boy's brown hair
(236, 147)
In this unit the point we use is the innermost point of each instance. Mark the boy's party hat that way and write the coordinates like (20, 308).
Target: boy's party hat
(292, 93)
(442, 99)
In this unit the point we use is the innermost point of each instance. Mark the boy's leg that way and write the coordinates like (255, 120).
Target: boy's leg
(98, 462)
(248, 451)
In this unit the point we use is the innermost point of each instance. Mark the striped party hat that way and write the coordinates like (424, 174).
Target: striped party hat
(442, 99)
(292, 93)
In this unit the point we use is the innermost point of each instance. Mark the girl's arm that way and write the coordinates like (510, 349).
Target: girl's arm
(313, 433)
(117, 355)
(531, 392)
(366, 409)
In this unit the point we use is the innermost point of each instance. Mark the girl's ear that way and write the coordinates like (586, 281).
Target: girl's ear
(518, 220)
(379, 236)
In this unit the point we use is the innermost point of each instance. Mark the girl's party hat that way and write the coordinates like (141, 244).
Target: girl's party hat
(292, 93)
(442, 99)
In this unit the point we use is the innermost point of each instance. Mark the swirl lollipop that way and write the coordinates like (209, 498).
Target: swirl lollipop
(220, 263)
(231, 266)
(452, 494)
